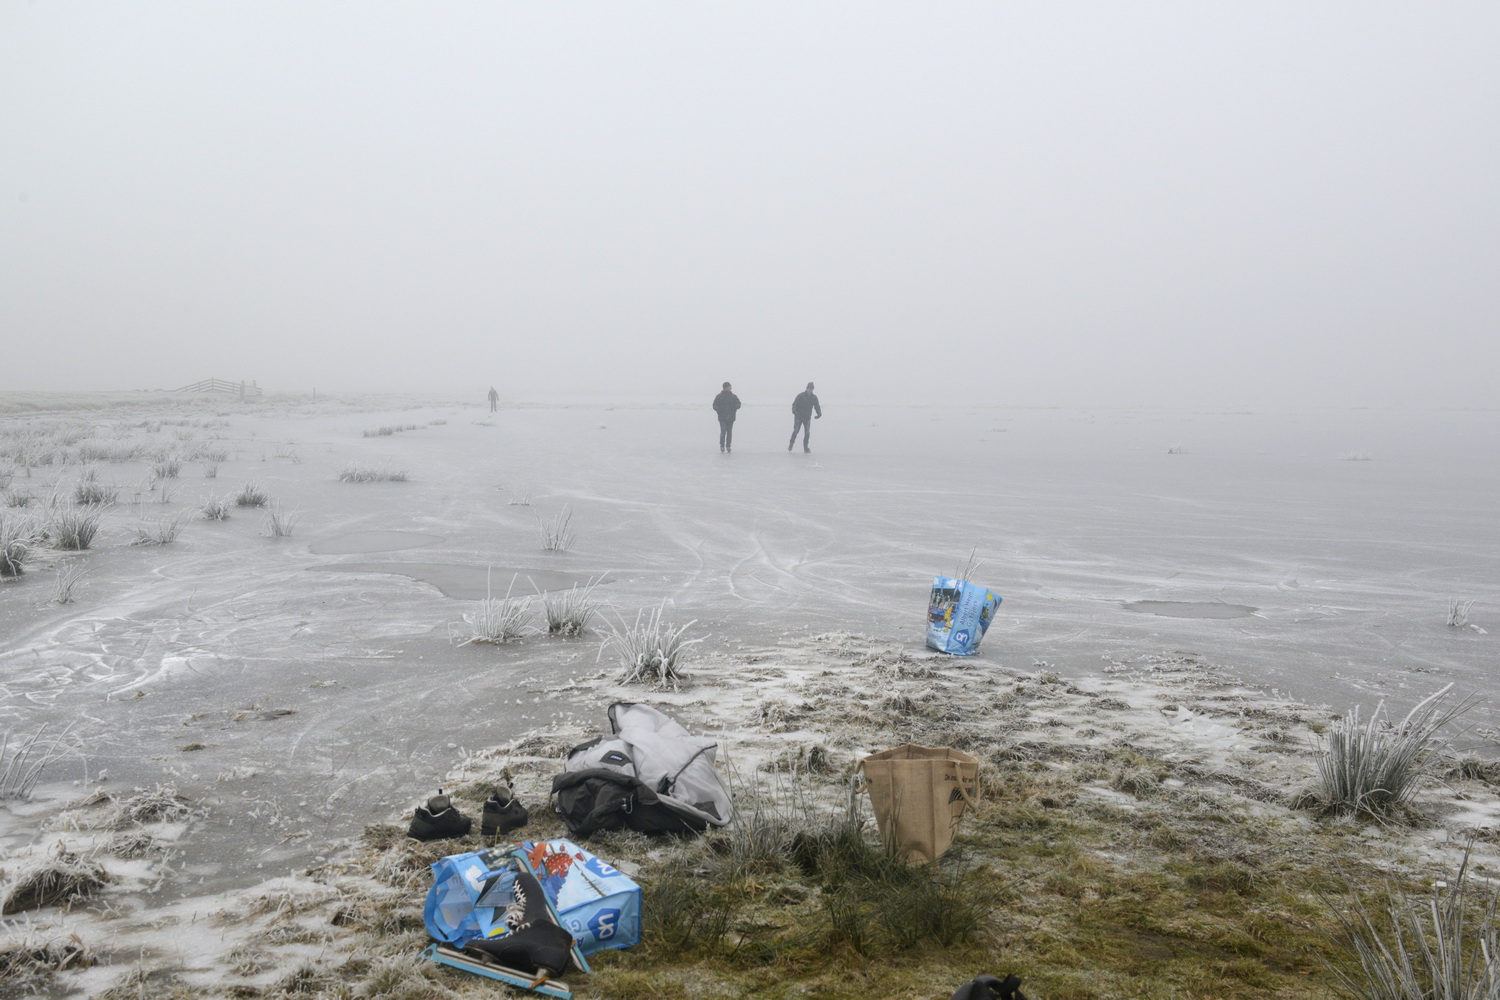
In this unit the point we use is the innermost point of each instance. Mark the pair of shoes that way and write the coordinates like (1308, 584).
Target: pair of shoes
(438, 820)
(503, 813)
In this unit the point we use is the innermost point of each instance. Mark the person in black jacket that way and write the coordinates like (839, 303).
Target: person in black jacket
(725, 403)
(803, 408)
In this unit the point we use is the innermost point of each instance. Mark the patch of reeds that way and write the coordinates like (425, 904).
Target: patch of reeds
(23, 761)
(74, 529)
(216, 508)
(251, 495)
(1373, 767)
(57, 881)
(1458, 613)
(211, 470)
(159, 532)
(16, 534)
(496, 620)
(568, 612)
(649, 651)
(1444, 947)
(68, 575)
(91, 492)
(556, 534)
(279, 523)
(355, 473)
(168, 467)
(19, 499)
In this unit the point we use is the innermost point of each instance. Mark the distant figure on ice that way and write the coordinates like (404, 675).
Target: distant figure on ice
(494, 399)
(803, 408)
(725, 403)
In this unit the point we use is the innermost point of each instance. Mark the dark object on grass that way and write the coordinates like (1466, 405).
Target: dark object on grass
(503, 812)
(439, 819)
(990, 988)
(535, 944)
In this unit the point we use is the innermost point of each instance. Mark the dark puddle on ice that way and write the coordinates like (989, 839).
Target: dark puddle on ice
(473, 583)
(366, 542)
(1191, 609)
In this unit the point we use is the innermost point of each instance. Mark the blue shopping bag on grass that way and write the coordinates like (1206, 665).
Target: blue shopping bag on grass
(958, 615)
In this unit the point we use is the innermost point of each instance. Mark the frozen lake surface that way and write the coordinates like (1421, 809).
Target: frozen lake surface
(308, 685)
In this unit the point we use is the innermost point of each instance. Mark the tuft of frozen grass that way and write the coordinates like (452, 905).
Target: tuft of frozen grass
(158, 532)
(290, 454)
(1458, 613)
(169, 467)
(91, 492)
(21, 765)
(16, 534)
(497, 620)
(279, 523)
(27, 962)
(157, 804)
(68, 575)
(1373, 767)
(650, 651)
(1355, 456)
(568, 612)
(556, 534)
(251, 495)
(216, 508)
(1445, 947)
(74, 529)
(355, 473)
(1176, 449)
(211, 470)
(19, 499)
(57, 881)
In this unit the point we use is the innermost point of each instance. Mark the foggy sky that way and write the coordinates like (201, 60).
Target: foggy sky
(1138, 203)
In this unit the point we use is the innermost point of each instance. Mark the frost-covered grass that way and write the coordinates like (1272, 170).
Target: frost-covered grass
(1441, 944)
(158, 532)
(1458, 613)
(69, 573)
(74, 528)
(279, 523)
(568, 612)
(251, 495)
(17, 534)
(556, 534)
(649, 651)
(216, 508)
(496, 620)
(24, 758)
(356, 473)
(57, 881)
(167, 468)
(1374, 767)
(90, 491)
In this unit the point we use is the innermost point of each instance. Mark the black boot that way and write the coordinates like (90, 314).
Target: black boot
(503, 812)
(438, 820)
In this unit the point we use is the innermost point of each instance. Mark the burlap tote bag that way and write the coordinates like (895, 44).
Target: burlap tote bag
(919, 794)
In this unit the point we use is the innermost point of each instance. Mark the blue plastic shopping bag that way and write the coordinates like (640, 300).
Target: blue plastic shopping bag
(598, 904)
(958, 615)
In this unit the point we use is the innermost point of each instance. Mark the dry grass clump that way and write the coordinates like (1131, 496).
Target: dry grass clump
(169, 467)
(1458, 613)
(27, 963)
(1444, 946)
(251, 495)
(74, 529)
(57, 881)
(279, 523)
(157, 804)
(650, 651)
(1374, 767)
(568, 612)
(90, 492)
(355, 473)
(216, 508)
(22, 764)
(159, 532)
(556, 534)
(16, 537)
(68, 575)
(496, 620)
